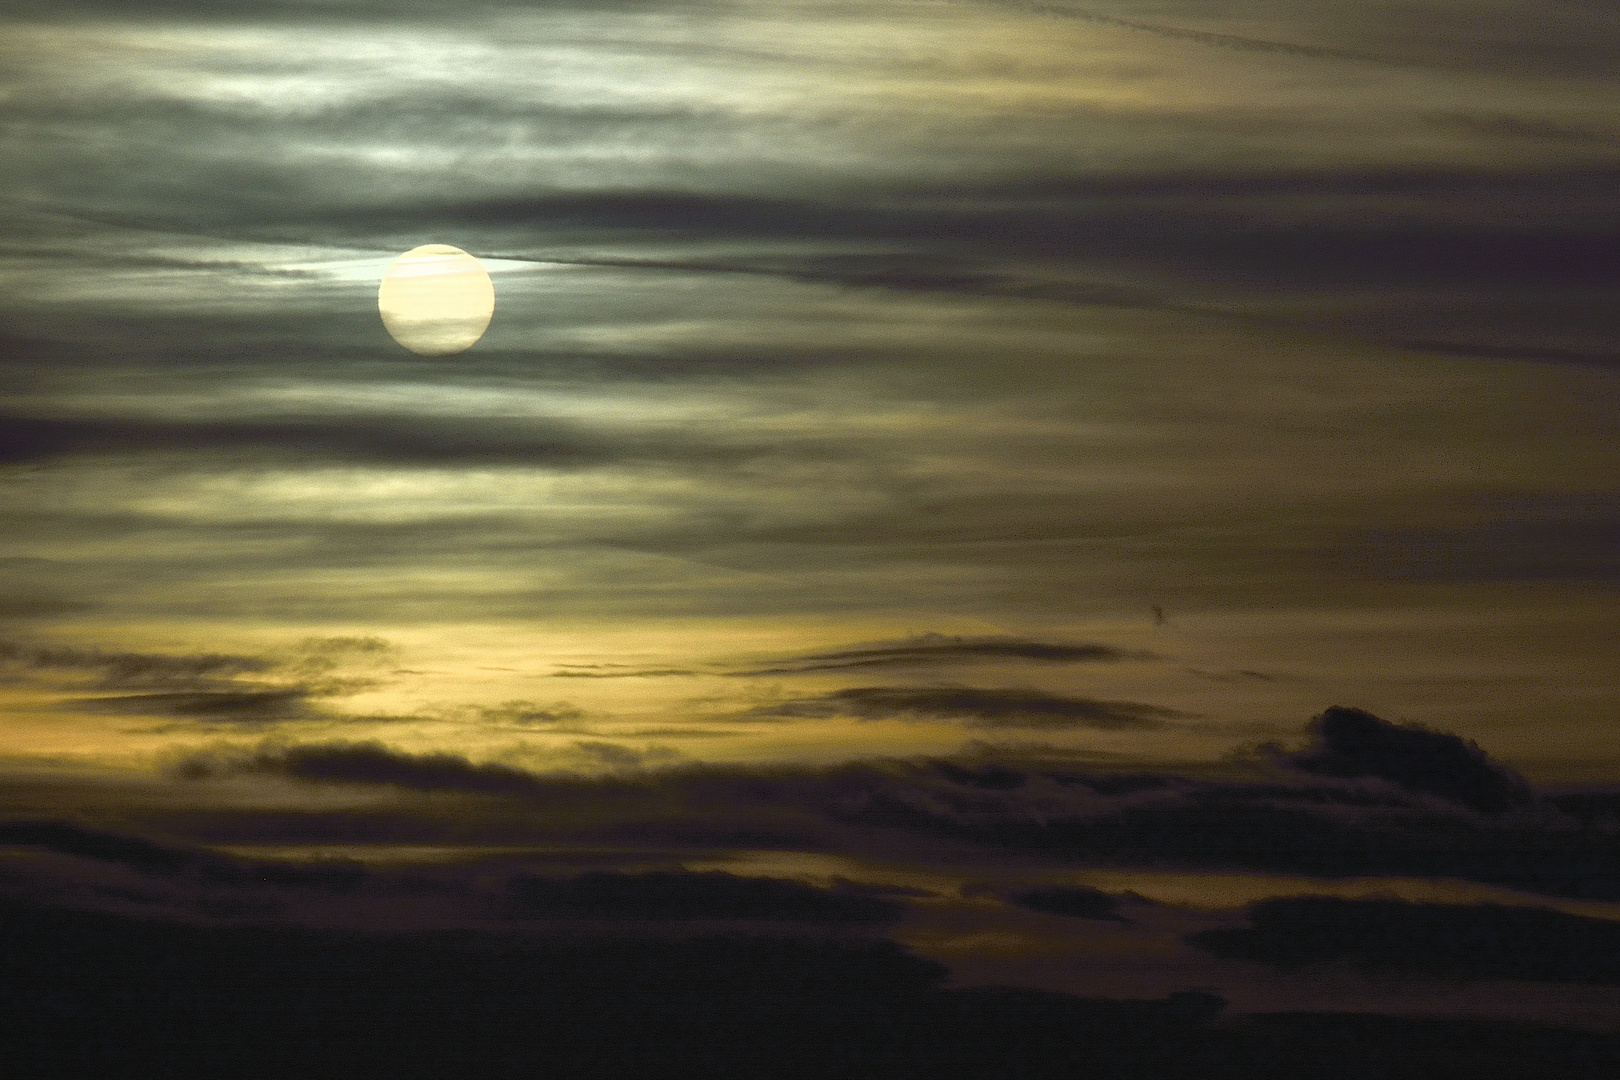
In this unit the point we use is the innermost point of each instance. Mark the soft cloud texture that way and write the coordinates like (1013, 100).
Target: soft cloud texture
(948, 448)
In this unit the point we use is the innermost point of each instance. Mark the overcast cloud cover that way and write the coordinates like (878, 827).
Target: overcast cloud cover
(953, 446)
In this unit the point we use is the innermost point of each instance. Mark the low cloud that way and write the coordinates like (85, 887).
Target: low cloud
(617, 756)
(1079, 903)
(367, 763)
(525, 713)
(685, 896)
(131, 669)
(583, 672)
(1454, 941)
(234, 706)
(169, 860)
(928, 649)
(203, 688)
(355, 438)
(1350, 743)
(978, 708)
(1286, 820)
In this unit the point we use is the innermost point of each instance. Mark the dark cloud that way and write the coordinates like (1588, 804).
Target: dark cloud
(1171, 239)
(1240, 675)
(344, 645)
(363, 438)
(204, 687)
(981, 314)
(980, 708)
(1079, 903)
(1535, 128)
(1453, 941)
(68, 839)
(402, 439)
(1417, 254)
(1513, 352)
(1297, 822)
(947, 649)
(529, 713)
(1349, 742)
(369, 763)
(1209, 227)
(275, 1000)
(171, 860)
(15, 606)
(1599, 807)
(618, 756)
(631, 673)
(686, 896)
(229, 706)
(129, 669)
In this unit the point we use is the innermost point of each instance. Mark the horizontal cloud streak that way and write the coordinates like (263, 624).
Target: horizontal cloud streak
(929, 649)
(127, 669)
(979, 708)
(1293, 821)
(679, 897)
(1486, 941)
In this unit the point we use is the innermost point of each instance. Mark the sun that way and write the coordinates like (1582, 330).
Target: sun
(436, 300)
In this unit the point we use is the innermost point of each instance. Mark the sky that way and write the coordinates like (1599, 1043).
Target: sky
(874, 390)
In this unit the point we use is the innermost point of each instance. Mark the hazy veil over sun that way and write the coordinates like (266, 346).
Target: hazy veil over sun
(436, 300)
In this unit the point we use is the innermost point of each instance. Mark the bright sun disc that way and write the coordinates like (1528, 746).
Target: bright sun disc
(436, 300)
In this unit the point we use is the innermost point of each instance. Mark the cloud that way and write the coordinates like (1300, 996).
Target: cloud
(931, 648)
(367, 763)
(20, 606)
(685, 896)
(1079, 903)
(1062, 812)
(1452, 941)
(68, 839)
(578, 672)
(1217, 40)
(360, 438)
(132, 669)
(1516, 352)
(202, 688)
(233, 706)
(930, 272)
(1349, 742)
(528, 713)
(978, 708)
(159, 994)
(170, 860)
(1239, 675)
(1539, 129)
(617, 756)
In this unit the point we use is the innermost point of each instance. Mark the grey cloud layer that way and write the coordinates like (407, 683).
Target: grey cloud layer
(945, 649)
(978, 708)
(816, 322)
(128, 670)
(1379, 815)
(900, 310)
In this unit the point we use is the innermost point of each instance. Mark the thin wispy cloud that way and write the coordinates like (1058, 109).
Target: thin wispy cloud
(1181, 368)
